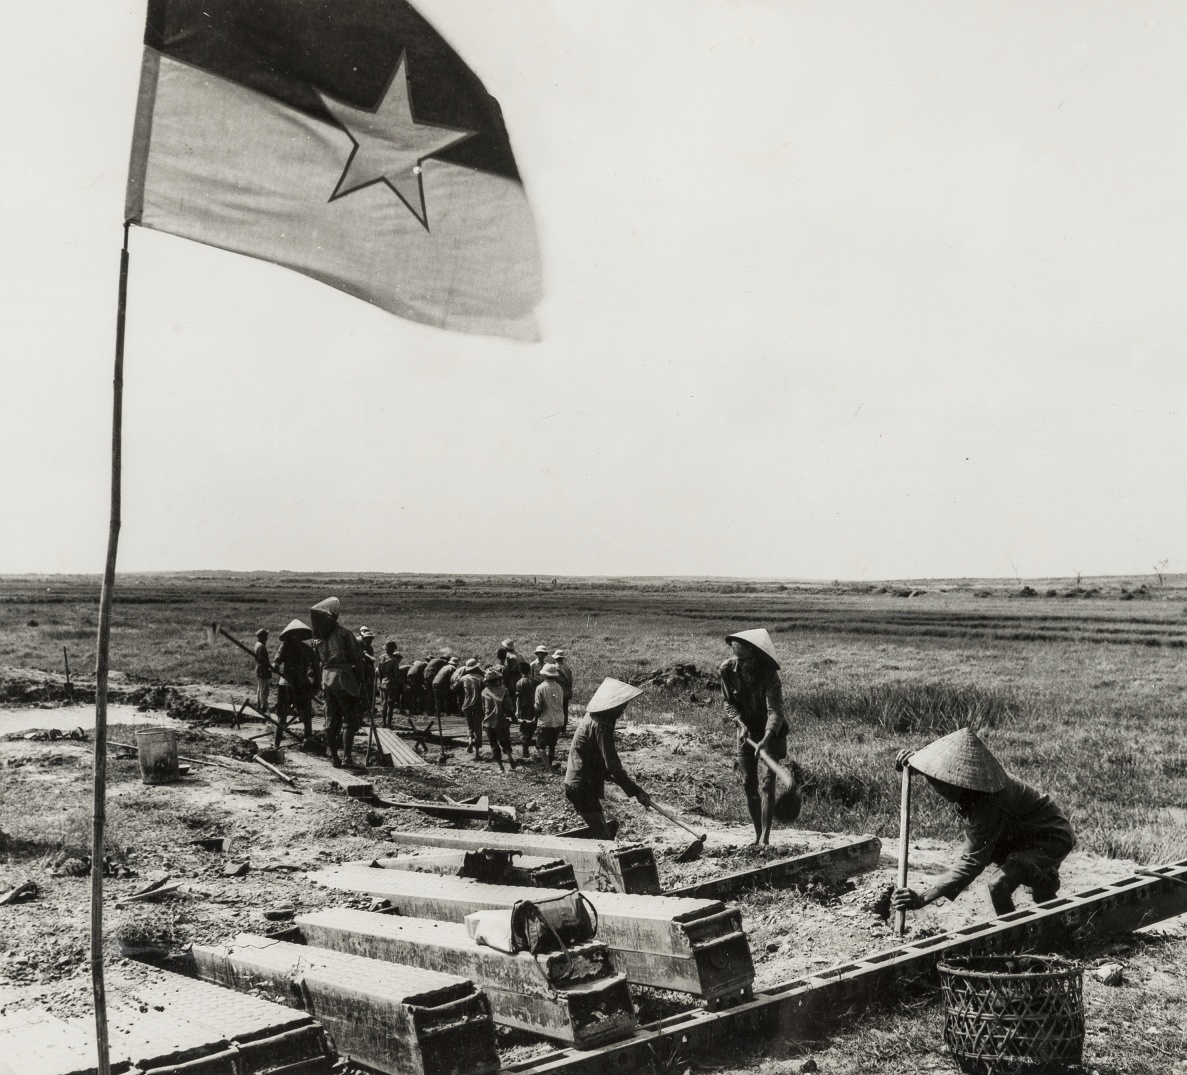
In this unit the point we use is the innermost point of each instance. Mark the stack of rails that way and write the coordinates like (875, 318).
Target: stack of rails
(688, 945)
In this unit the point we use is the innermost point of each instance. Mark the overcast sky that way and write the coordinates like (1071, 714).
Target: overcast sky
(856, 290)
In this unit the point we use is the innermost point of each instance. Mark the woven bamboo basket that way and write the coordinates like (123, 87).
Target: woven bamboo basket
(1014, 1015)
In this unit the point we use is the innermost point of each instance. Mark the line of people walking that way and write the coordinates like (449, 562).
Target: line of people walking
(532, 694)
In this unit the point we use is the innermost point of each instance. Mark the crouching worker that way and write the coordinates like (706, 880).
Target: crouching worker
(593, 756)
(1009, 825)
(341, 659)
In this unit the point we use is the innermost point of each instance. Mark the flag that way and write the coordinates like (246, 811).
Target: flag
(343, 139)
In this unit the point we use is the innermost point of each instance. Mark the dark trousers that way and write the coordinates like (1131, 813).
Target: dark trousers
(589, 806)
(1032, 864)
(289, 700)
(391, 703)
(342, 719)
(499, 738)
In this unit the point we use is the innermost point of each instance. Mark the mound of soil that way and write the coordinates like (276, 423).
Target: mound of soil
(679, 677)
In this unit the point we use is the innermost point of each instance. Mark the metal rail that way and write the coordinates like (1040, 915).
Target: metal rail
(806, 1007)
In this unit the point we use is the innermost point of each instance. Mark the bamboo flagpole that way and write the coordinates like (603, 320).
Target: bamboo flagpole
(99, 813)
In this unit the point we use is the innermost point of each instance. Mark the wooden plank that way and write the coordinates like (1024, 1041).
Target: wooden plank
(399, 752)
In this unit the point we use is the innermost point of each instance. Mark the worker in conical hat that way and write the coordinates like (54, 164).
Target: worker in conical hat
(593, 756)
(341, 659)
(753, 694)
(299, 678)
(1009, 824)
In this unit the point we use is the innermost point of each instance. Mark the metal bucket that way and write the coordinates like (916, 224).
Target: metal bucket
(157, 748)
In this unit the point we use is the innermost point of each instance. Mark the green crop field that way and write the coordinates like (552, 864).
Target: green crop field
(1081, 688)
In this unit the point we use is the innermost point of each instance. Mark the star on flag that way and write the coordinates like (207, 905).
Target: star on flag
(389, 145)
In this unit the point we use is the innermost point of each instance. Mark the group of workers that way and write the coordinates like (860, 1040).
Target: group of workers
(1010, 825)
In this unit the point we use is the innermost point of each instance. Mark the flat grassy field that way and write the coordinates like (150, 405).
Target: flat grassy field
(1079, 686)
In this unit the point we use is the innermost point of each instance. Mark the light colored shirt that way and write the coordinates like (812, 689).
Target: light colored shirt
(550, 704)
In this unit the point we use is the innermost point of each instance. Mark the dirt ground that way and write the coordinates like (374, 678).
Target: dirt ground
(280, 834)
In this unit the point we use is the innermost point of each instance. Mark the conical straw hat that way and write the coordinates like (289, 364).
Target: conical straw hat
(961, 759)
(759, 639)
(296, 631)
(610, 695)
(331, 606)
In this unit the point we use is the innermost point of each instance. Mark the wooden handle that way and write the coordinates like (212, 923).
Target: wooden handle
(673, 818)
(780, 771)
(272, 769)
(904, 840)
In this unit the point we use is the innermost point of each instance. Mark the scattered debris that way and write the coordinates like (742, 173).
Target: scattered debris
(214, 843)
(52, 735)
(1110, 974)
(280, 912)
(236, 869)
(65, 865)
(23, 893)
(157, 890)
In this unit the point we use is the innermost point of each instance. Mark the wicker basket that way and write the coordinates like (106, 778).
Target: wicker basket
(1014, 1014)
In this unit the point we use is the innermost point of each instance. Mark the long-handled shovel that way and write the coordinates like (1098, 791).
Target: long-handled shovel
(693, 850)
(789, 782)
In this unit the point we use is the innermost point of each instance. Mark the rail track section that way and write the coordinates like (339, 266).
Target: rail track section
(806, 1007)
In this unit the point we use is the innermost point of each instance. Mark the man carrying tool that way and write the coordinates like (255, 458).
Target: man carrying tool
(263, 671)
(1009, 824)
(593, 756)
(341, 678)
(753, 695)
(297, 664)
